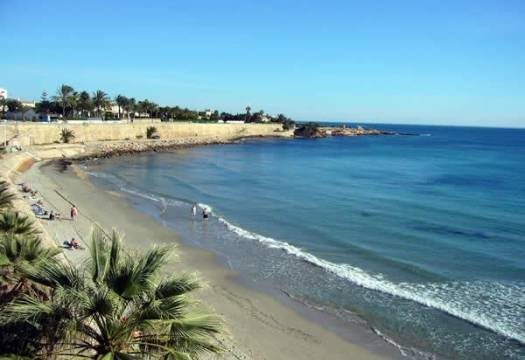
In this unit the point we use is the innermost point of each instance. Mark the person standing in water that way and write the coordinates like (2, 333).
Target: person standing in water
(194, 210)
(205, 214)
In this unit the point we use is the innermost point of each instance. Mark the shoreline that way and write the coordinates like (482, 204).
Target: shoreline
(260, 325)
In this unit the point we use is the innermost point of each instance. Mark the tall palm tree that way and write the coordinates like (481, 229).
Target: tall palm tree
(13, 222)
(130, 107)
(100, 100)
(63, 97)
(248, 109)
(84, 103)
(116, 307)
(121, 101)
(6, 197)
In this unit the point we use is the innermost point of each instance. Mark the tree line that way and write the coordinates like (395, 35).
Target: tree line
(73, 104)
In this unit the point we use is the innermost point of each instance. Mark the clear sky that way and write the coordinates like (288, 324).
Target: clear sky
(408, 61)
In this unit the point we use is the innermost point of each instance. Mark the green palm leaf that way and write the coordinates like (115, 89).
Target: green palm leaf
(12, 222)
(6, 197)
(117, 306)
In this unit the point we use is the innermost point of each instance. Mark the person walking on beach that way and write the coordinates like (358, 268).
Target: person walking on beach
(194, 210)
(205, 214)
(74, 213)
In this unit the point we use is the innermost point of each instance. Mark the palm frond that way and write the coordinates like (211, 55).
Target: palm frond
(25, 249)
(177, 286)
(56, 274)
(13, 222)
(6, 197)
(99, 253)
(135, 275)
(25, 309)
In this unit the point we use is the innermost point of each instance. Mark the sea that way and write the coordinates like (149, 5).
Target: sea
(419, 237)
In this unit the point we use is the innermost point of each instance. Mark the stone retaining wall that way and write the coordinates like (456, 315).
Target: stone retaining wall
(28, 133)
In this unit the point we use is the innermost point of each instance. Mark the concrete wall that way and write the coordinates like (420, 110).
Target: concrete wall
(43, 133)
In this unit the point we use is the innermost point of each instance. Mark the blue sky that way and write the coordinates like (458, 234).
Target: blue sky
(429, 62)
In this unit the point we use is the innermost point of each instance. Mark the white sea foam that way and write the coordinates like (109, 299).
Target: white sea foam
(493, 306)
(407, 352)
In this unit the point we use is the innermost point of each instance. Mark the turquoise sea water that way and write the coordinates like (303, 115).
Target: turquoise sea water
(420, 237)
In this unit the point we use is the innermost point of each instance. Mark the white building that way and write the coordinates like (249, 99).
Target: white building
(28, 103)
(265, 119)
(3, 93)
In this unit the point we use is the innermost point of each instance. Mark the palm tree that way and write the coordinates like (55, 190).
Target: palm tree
(130, 106)
(6, 197)
(116, 307)
(84, 103)
(100, 100)
(63, 97)
(121, 101)
(248, 109)
(147, 107)
(17, 255)
(12, 222)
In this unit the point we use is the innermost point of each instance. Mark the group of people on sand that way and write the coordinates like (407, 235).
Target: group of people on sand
(40, 211)
(205, 212)
(28, 189)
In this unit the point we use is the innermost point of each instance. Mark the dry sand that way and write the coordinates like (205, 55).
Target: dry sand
(258, 326)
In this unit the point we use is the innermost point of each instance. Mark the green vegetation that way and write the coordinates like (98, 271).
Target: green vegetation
(66, 135)
(151, 132)
(115, 305)
(64, 97)
(14, 223)
(6, 197)
(100, 101)
(74, 104)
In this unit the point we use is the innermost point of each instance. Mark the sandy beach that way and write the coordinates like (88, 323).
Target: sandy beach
(257, 325)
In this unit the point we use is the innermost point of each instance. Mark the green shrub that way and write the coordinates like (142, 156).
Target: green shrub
(66, 135)
(151, 132)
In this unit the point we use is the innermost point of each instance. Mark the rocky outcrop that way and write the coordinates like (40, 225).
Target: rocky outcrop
(359, 131)
(308, 131)
(314, 131)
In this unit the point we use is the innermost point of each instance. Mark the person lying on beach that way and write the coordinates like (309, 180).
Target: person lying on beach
(39, 210)
(54, 215)
(73, 244)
